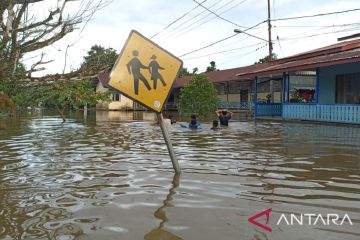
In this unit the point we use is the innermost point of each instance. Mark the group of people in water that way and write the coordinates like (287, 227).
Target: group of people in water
(224, 116)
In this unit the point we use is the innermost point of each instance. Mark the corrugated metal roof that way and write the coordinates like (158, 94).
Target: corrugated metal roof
(342, 52)
(224, 75)
(306, 64)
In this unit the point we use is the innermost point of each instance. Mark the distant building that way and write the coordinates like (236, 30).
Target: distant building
(118, 102)
(321, 85)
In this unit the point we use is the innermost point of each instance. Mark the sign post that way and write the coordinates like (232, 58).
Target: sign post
(145, 73)
(165, 133)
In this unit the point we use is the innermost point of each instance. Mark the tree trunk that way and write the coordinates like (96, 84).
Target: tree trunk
(61, 112)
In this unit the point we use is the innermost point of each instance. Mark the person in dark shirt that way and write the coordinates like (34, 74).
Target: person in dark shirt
(194, 123)
(224, 116)
(215, 125)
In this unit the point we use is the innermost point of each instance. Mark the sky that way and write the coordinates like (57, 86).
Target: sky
(110, 27)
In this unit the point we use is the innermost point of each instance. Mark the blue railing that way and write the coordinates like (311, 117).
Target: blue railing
(341, 113)
(268, 109)
(236, 105)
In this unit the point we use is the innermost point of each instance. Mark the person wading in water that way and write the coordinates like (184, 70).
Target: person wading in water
(154, 68)
(134, 67)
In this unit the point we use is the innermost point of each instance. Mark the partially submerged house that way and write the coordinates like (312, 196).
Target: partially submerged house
(319, 85)
(117, 101)
(333, 83)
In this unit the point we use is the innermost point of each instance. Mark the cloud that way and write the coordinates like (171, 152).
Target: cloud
(111, 26)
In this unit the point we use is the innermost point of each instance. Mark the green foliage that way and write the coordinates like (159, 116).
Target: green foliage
(184, 72)
(71, 94)
(212, 67)
(198, 96)
(21, 94)
(10, 87)
(20, 70)
(267, 59)
(6, 104)
(99, 58)
(61, 95)
(295, 97)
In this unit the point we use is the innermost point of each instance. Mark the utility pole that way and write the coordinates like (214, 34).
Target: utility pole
(272, 98)
(269, 29)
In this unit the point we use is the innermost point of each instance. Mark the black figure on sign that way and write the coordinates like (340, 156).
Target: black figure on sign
(134, 67)
(154, 68)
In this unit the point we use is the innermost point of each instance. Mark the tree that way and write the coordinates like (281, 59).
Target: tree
(99, 58)
(184, 72)
(198, 96)
(69, 94)
(212, 67)
(6, 103)
(22, 31)
(266, 59)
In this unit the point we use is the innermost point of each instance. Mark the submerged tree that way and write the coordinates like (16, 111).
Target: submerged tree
(198, 96)
(7, 104)
(68, 95)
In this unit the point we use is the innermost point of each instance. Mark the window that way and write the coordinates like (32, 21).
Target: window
(234, 87)
(116, 97)
(302, 88)
(348, 89)
(263, 86)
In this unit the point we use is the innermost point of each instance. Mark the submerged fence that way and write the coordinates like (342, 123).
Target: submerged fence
(341, 113)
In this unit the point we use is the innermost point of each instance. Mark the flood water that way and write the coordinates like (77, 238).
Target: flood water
(110, 177)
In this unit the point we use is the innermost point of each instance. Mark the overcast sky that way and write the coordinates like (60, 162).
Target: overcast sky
(111, 25)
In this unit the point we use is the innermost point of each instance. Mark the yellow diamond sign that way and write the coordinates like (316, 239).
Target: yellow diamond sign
(145, 72)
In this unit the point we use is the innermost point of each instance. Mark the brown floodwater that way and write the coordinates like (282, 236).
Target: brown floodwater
(108, 176)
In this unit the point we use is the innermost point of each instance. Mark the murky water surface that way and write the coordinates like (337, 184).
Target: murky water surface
(110, 177)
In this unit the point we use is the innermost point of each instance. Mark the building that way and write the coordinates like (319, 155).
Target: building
(319, 85)
(117, 100)
(330, 92)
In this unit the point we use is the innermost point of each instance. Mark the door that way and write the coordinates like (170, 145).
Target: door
(244, 95)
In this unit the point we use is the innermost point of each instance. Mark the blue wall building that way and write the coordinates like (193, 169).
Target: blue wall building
(322, 85)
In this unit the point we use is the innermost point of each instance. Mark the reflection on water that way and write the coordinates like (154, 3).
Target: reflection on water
(109, 177)
(159, 232)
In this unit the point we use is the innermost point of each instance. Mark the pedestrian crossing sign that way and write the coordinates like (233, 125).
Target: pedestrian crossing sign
(145, 72)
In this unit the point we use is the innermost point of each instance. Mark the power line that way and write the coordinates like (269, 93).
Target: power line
(228, 50)
(231, 22)
(316, 15)
(221, 13)
(316, 26)
(187, 26)
(221, 40)
(245, 54)
(277, 34)
(217, 15)
(212, 44)
(321, 34)
(176, 20)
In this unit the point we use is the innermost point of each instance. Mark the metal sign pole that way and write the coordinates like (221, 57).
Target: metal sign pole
(168, 143)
